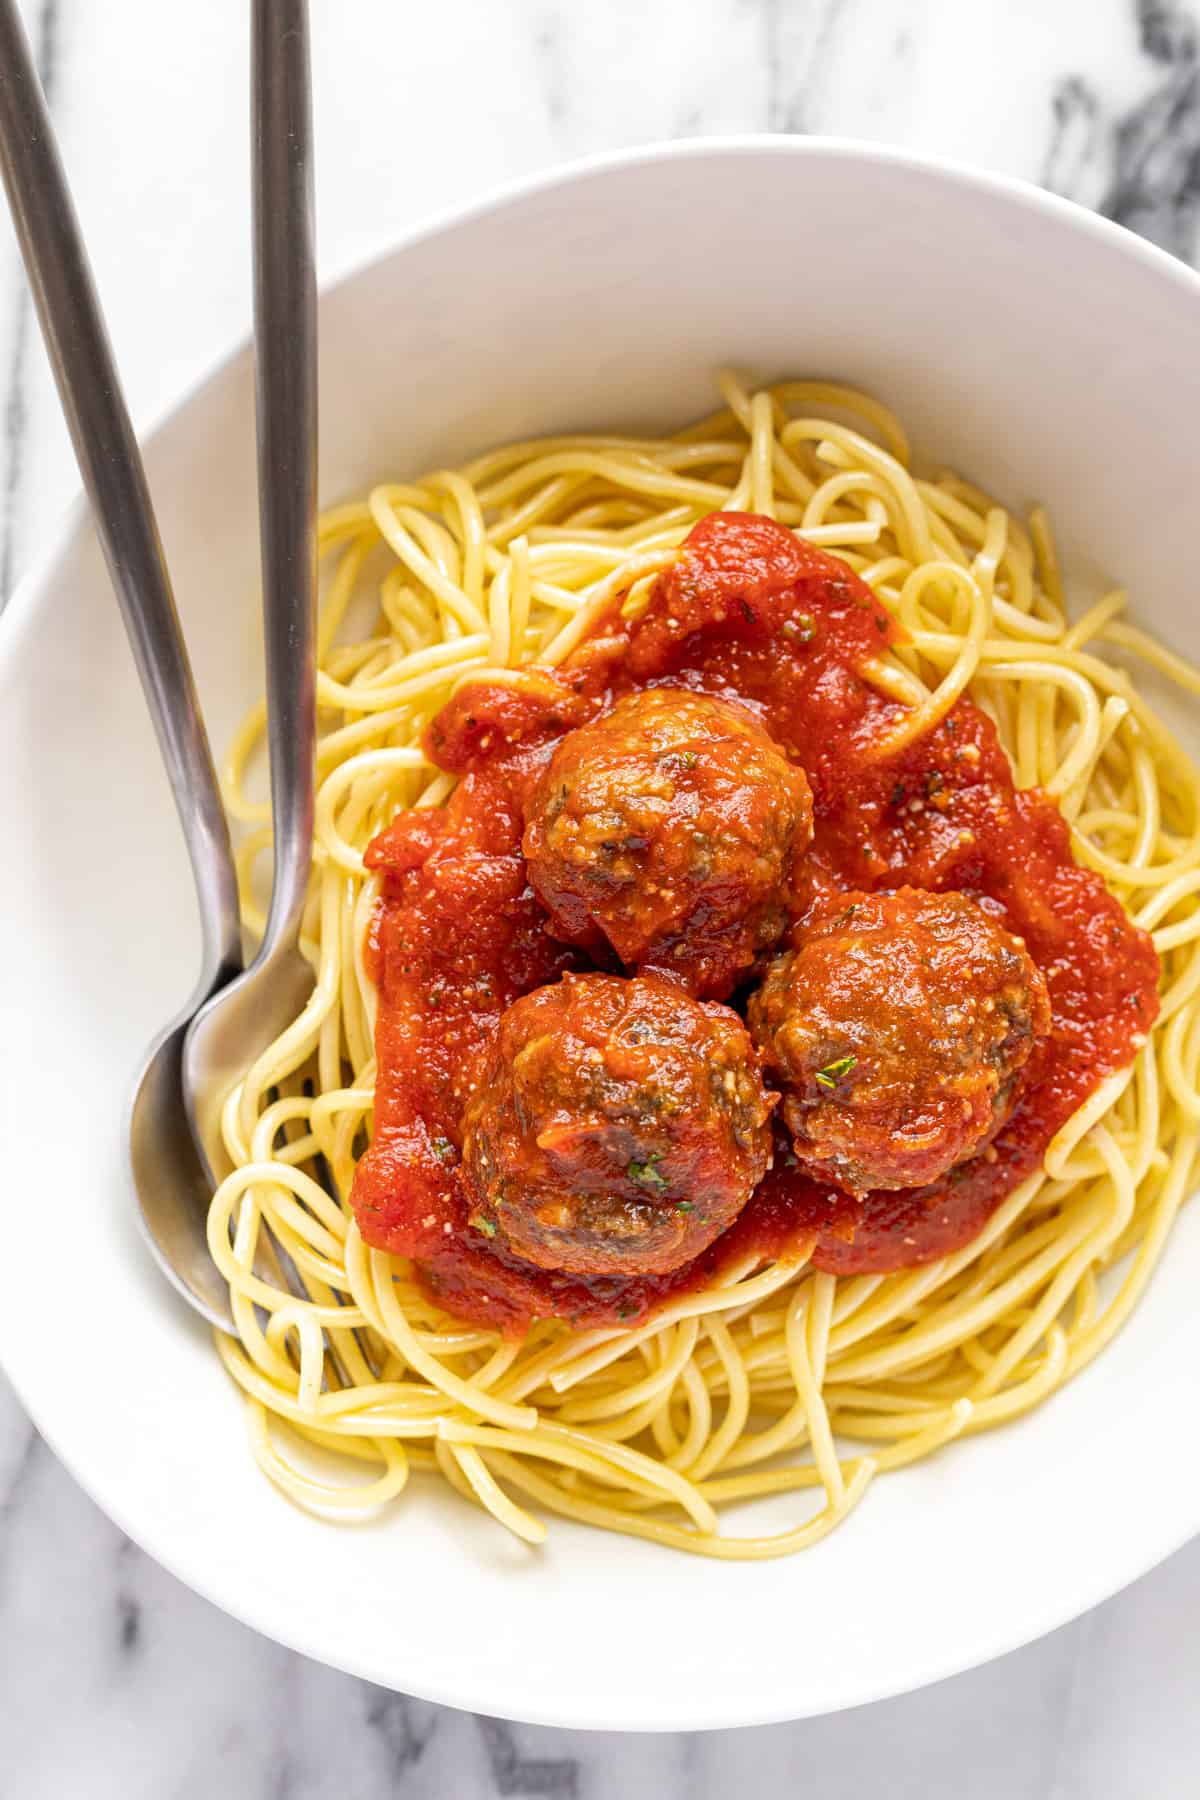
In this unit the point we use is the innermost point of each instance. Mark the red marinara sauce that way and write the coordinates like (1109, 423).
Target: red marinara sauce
(748, 612)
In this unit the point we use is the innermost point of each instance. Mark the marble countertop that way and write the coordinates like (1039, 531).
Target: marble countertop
(116, 1680)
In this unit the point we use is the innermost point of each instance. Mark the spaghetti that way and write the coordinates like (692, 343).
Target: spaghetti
(776, 1376)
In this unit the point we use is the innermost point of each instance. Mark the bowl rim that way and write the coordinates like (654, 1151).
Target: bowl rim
(22, 610)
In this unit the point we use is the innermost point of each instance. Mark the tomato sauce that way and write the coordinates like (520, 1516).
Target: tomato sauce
(748, 612)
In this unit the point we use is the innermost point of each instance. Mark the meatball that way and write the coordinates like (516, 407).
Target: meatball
(617, 1128)
(897, 1029)
(672, 827)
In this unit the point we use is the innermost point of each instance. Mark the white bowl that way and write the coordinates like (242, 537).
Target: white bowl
(1046, 352)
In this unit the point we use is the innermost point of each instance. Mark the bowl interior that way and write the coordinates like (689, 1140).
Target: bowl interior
(1045, 354)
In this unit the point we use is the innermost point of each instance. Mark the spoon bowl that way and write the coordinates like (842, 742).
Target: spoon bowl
(173, 1181)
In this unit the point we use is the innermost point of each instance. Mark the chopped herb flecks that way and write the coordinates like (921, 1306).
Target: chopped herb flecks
(487, 1226)
(443, 1149)
(800, 629)
(647, 1172)
(832, 1072)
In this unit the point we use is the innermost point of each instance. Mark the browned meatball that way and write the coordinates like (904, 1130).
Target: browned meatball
(673, 827)
(897, 1029)
(617, 1128)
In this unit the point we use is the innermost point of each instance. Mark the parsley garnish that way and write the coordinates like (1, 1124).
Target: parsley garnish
(443, 1149)
(647, 1173)
(828, 1076)
(800, 629)
(684, 1206)
(479, 1223)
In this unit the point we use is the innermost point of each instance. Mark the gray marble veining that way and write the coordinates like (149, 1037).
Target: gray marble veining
(1139, 165)
(116, 1680)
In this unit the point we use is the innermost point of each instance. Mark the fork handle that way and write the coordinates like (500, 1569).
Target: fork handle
(111, 466)
(285, 337)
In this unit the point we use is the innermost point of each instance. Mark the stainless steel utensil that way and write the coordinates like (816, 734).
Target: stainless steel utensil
(246, 1016)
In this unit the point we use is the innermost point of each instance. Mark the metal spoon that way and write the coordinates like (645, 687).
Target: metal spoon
(172, 1186)
(241, 1021)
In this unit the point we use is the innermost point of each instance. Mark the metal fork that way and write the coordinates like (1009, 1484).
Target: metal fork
(244, 1018)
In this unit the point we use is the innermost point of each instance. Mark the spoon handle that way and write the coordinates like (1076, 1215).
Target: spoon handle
(285, 338)
(111, 466)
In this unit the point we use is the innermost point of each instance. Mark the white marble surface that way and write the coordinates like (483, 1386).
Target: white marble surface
(116, 1681)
